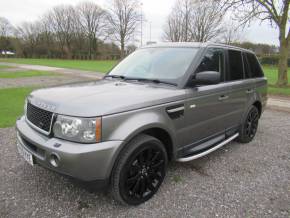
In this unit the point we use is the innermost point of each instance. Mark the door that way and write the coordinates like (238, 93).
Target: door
(204, 109)
(242, 88)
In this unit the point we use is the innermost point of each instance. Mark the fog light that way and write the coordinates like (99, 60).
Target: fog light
(54, 160)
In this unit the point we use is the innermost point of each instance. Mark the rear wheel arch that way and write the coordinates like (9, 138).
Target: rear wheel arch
(258, 105)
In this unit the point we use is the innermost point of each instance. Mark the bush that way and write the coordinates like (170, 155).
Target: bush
(271, 60)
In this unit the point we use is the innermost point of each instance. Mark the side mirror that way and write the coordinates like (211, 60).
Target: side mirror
(206, 78)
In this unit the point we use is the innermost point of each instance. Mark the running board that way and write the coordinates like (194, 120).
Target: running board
(195, 156)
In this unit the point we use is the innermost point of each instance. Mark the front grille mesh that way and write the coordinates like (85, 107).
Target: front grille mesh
(39, 117)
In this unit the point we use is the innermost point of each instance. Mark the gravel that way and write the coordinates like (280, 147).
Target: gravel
(238, 180)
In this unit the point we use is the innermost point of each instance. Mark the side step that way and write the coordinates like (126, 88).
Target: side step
(195, 156)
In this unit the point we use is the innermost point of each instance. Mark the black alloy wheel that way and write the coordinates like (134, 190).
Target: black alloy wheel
(250, 125)
(142, 173)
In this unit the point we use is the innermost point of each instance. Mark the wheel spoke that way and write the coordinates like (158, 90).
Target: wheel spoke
(136, 186)
(158, 164)
(141, 158)
(155, 156)
(149, 183)
(143, 187)
(156, 176)
(133, 178)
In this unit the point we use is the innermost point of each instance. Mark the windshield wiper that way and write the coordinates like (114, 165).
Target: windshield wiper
(140, 79)
(116, 76)
(150, 80)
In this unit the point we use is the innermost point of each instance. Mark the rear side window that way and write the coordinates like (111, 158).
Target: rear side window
(213, 60)
(236, 71)
(254, 66)
(247, 69)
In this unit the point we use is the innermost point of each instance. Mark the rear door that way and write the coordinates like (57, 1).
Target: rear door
(257, 74)
(242, 87)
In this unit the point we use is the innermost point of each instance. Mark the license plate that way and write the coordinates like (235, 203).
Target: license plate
(25, 154)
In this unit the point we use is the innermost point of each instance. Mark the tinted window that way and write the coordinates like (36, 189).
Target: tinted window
(254, 65)
(213, 60)
(235, 65)
(247, 69)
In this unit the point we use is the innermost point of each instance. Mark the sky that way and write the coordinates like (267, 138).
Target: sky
(155, 11)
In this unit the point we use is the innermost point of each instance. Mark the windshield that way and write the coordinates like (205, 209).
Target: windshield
(159, 64)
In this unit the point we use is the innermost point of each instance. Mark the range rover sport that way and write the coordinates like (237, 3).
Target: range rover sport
(166, 102)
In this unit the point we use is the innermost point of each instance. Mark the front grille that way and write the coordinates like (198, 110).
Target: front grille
(39, 117)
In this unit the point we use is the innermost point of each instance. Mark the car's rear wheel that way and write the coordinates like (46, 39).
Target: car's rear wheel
(250, 125)
(139, 171)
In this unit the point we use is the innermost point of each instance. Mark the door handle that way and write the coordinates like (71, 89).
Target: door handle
(176, 109)
(249, 91)
(223, 97)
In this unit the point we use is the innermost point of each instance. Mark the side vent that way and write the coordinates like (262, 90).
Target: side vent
(176, 111)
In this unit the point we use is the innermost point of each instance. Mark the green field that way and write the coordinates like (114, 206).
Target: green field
(11, 107)
(4, 67)
(26, 73)
(91, 65)
(271, 73)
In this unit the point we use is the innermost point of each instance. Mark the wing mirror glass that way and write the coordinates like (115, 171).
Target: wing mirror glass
(206, 78)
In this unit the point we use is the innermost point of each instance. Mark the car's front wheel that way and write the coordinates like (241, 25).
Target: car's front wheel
(139, 171)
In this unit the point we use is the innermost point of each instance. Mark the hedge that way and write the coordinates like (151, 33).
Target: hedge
(271, 60)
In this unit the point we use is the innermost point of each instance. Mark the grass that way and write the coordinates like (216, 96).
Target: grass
(26, 73)
(12, 102)
(91, 65)
(4, 67)
(177, 178)
(279, 91)
(271, 73)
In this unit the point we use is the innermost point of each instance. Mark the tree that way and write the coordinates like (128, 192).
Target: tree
(29, 33)
(64, 20)
(231, 34)
(194, 20)
(275, 12)
(6, 30)
(123, 20)
(92, 21)
(207, 20)
(177, 26)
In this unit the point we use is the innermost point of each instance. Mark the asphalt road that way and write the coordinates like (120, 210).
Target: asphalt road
(239, 180)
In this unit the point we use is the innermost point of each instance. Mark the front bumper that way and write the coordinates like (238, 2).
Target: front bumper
(86, 162)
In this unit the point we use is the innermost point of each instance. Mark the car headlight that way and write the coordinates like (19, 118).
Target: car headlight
(85, 130)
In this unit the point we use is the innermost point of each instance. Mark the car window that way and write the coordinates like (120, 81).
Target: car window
(236, 71)
(164, 64)
(247, 69)
(254, 65)
(213, 60)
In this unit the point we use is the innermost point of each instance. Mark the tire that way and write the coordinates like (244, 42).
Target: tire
(249, 126)
(139, 170)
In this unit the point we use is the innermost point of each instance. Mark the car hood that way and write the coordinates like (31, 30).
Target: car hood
(103, 97)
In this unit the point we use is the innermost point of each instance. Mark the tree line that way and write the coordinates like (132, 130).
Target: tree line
(92, 32)
(85, 31)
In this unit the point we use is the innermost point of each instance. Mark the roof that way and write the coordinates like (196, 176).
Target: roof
(194, 45)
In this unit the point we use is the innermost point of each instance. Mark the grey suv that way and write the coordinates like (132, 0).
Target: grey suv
(175, 101)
